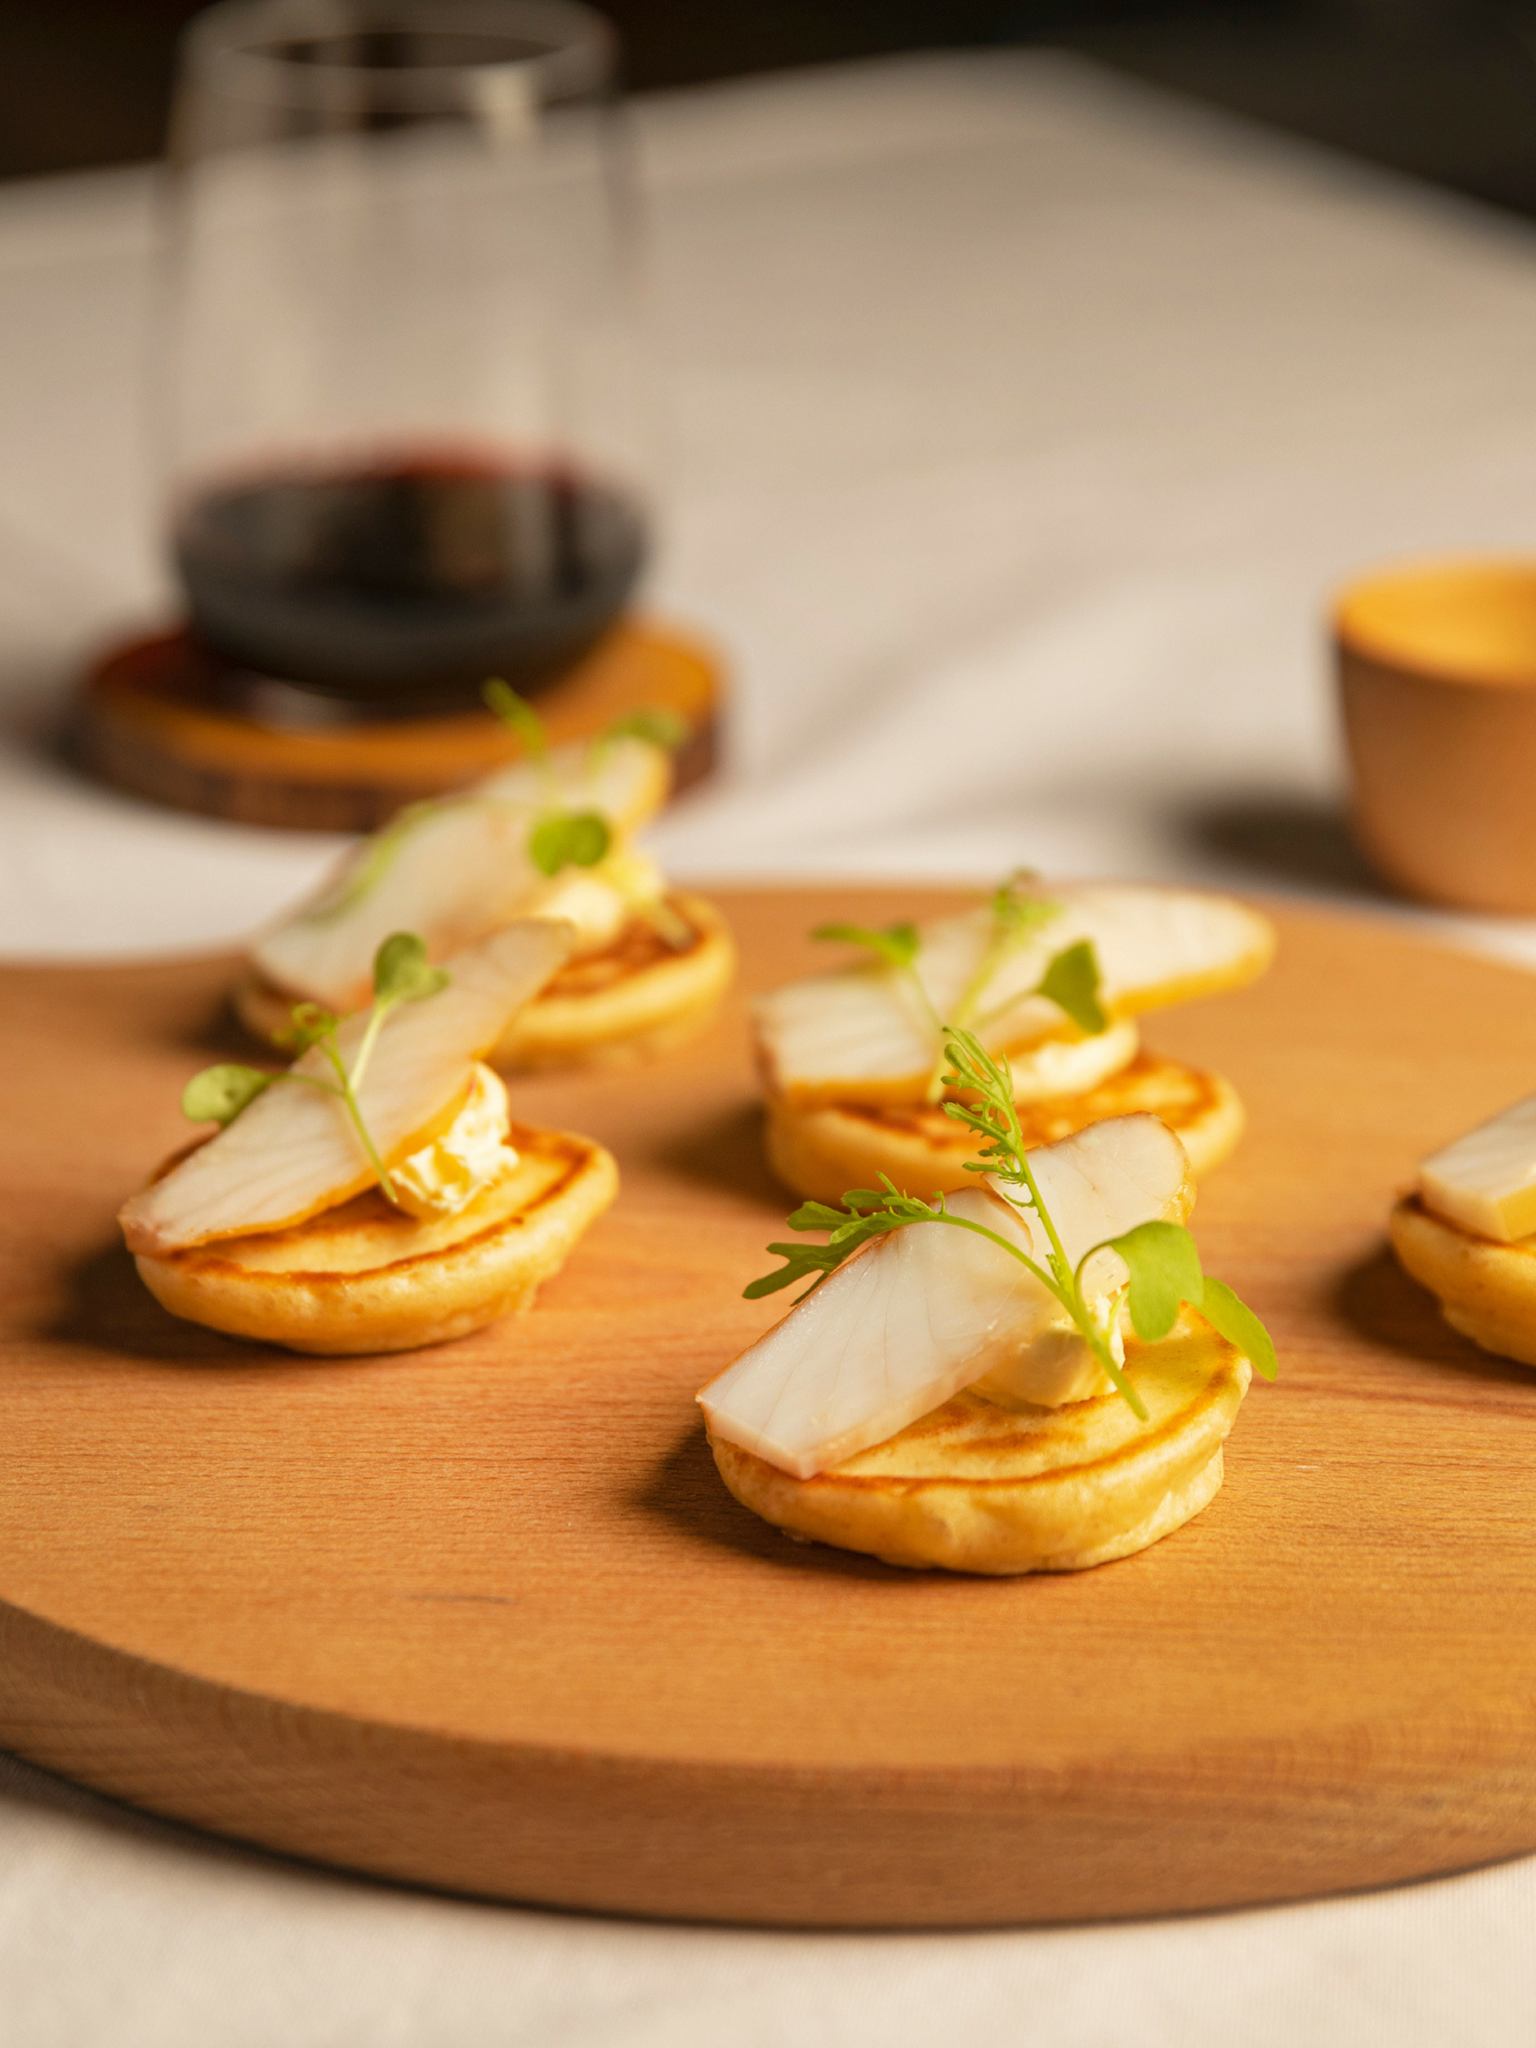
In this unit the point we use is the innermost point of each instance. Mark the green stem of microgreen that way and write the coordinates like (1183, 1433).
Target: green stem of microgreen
(346, 1090)
(935, 1085)
(925, 1003)
(381, 1009)
(520, 718)
(998, 948)
(1000, 1010)
(344, 1097)
(1067, 1285)
(1013, 925)
(1068, 1292)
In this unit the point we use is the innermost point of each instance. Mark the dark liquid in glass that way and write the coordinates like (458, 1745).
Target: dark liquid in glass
(411, 579)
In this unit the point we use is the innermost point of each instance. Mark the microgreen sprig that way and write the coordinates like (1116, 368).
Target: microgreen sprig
(401, 974)
(562, 837)
(565, 838)
(897, 946)
(1016, 917)
(1071, 979)
(1162, 1264)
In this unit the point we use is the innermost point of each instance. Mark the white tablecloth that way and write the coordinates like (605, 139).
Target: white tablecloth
(1021, 424)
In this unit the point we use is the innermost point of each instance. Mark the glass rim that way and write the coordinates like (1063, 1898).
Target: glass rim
(236, 47)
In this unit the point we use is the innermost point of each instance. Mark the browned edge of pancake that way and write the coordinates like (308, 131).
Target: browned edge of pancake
(1091, 1508)
(820, 1153)
(635, 997)
(411, 1296)
(1486, 1290)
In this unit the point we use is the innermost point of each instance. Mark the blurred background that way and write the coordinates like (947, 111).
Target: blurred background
(1442, 89)
(1002, 391)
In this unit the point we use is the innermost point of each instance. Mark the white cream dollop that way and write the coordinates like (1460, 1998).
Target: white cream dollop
(1054, 1366)
(445, 1176)
(599, 901)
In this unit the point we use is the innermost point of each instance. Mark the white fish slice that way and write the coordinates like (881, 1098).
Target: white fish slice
(1485, 1182)
(907, 1323)
(862, 1035)
(453, 870)
(294, 1151)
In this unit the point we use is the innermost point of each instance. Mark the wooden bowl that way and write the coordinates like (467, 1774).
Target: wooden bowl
(1437, 672)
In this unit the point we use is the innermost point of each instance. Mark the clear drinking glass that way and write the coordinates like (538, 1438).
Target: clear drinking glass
(404, 430)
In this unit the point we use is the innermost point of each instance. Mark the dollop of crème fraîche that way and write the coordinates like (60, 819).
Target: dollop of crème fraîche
(445, 1176)
(599, 901)
(1056, 1364)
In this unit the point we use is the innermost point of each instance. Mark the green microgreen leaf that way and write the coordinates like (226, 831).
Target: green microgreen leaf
(377, 854)
(657, 723)
(897, 945)
(402, 973)
(1160, 1257)
(517, 713)
(866, 1213)
(1236, 1321)
(1071, 982)
(569, 839)
(801, 1261)
(1165, 1271)
(218, 1094)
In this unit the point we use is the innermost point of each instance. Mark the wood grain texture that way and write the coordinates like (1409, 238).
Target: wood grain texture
(158, 717)
(485, 1617)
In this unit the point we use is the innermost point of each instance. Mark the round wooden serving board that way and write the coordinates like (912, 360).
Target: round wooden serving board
(485, 1618)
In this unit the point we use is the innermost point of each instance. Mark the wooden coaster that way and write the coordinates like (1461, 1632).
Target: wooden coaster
(155, 718)
(486, 1618)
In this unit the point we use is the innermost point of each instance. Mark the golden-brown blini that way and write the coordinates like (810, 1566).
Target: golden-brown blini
(823, 1151)
(377, 1195)
(635, 998)
(977, 1487)
(365, 1277)
(1487, 1291)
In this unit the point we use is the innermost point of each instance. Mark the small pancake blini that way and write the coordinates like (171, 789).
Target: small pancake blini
(821, 1152)
(976, 1487)
(636, 997)
(1487, 1291)
(365, 1277)
(281, 1225)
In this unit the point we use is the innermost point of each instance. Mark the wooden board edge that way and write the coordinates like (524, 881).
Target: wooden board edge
(658, 1838)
